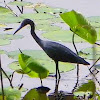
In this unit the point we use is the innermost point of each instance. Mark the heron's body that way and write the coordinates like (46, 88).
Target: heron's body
(54, 50)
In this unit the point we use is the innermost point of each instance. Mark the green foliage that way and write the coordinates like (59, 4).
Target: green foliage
(32, 67)
(36, 95)
(86, 89)
(80, 26)
(4, 10)
(11, 94)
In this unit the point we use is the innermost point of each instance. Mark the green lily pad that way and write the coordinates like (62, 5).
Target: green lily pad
(51, 10)
(88, 53)
(2, 52)
(43, 59)
(80, 26)
(9, 18)
(20, 3)
(4, 10)
(97, 66)
(11, 94)
(41, 16)
(95, 21)
(62, 35)
(4, 42)
(47, 28)
(10, 36)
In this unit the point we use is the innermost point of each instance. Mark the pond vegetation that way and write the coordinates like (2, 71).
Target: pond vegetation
(36, 64)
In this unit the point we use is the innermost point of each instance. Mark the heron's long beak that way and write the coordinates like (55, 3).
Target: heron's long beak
(17, 30)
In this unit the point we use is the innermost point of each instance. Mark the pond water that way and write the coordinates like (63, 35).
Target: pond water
(68, 79)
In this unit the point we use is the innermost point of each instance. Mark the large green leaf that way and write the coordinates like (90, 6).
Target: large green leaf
(29, 64)
(34, 94)
(42, 58)
(80, 26)
(20, 3)
(11, 94)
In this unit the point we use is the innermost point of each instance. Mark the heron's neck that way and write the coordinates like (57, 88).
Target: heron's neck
(36, 38)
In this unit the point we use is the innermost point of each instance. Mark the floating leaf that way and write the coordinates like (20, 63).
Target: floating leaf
(62, 35)
(9, 18)
(51, 10)
(41, 16)
(20, 3)
(47, 28)
(10, 36)
(80, 26)
(88, 53)
(4, 42)
(2, 52)
(4, 10)
(32, 67)
(11, 94)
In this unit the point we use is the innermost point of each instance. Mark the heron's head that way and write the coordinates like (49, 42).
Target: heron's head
(24, 23)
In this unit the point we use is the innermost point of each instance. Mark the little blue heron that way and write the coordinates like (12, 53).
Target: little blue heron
(56, 51)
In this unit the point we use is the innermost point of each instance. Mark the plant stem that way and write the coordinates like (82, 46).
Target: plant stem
(77, 64)
(1, 80)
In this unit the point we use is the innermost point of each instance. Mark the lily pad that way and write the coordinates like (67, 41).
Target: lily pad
(20, 3)
(51, 10)
(62, 35)
(47, 28)
(43, 59)
(33, 16)
(9, 18)
(4, 42)
(10, 36)
(88, 53)
(11, 94)
(4, 10)
(2, 52)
